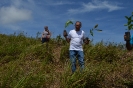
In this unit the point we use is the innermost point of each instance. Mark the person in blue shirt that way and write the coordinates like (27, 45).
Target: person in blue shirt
(131, 40)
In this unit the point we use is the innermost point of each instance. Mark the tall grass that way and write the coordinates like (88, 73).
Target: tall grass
(26, 63)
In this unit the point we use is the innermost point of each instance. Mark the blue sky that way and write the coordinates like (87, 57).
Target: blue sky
(31, 16)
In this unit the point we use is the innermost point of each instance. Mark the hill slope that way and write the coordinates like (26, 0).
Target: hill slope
(26, 63)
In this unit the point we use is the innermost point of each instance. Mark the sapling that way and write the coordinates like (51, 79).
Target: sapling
(129, 27)
(129, 22)
(91, 30)
(66, 25)
(127, 36)
(95, 28)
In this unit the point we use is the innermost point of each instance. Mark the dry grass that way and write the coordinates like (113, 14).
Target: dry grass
(26, 63)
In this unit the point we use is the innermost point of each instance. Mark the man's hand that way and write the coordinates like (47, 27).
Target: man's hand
(47, 30)
(65, 33)
(86, 40)
(125, 37)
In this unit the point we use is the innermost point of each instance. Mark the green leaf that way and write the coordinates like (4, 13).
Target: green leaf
(98, 30)
(91, 32)
(96, 26)
(126, 17)
(129, 22)
(132, 20)
(68, 23)
(129, 27)
(125, 24)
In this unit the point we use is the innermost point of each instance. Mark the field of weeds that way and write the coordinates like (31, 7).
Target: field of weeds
(26, 63)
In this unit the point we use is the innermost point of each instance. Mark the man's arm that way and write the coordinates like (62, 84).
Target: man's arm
(42, 36)
(86, 40)
(49, 34)
(65, 35)
(67, 39)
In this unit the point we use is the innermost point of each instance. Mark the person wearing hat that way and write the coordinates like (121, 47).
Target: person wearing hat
(45, 35)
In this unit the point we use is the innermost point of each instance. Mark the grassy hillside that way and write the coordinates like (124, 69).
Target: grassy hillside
(26, 63)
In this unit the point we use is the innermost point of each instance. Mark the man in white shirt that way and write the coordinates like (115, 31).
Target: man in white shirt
(76, 37)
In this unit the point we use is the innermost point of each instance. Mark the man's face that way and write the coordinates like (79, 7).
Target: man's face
(46, 29)
(78, 26)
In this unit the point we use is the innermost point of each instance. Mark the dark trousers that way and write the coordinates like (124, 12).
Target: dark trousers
(45, 40)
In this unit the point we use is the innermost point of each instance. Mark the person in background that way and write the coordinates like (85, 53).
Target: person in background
(45, 35)
(76, 37)
(129, 42)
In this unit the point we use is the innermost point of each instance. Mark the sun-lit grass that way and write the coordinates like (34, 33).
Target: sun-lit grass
(26, 63)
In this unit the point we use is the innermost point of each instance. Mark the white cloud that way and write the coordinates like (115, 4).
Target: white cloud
(95, 5)
(14, 13)
(62, 3)
(9, 15)
(59, 3)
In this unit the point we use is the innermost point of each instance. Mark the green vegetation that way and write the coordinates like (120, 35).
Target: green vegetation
(129, 22)
(26, 63)
(91, 30)
(68, 23)
(95, 28)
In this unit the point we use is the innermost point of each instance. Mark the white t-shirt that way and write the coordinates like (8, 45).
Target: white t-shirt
(76, 39)
(45, 34)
